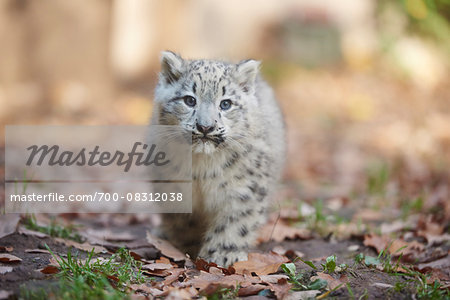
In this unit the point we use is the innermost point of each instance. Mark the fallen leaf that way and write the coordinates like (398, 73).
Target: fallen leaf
(163, 260)
(182, 293)
(203, 265)
(25, 231)
(436, 268)
(147, 289)
(4, 294)
(378, 242)
(135, 255)
(260, 263)
(50, 270)
(440, 263)
(302, 295)
(36, 251)
(4, 270)
(175, 274)
(250, 290)
(156, 266)
(8, 224)
(212, 288)
(272, 278)
(395, 226)
(165, 247)
(332, 282)
(8, 258)
(279, 231)
(408, 250)
(281, 288)
(159, 273)
(204, 279)
(108, 235)
(6, 249)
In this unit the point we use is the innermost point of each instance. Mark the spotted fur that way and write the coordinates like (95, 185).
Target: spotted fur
(238, 152)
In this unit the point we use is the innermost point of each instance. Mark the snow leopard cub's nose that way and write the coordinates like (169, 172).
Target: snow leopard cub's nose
(205, 129)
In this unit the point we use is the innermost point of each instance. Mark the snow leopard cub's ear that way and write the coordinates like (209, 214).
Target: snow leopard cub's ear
(172, 66)
(245, 74)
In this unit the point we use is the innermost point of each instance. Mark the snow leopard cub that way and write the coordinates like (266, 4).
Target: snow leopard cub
(238, 143)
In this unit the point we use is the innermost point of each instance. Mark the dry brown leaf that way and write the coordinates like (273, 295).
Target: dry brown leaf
(25, 231)
(204, 279)
(279, 231)
(332, 282)
(272, 278)
(160, 273)
(163, 260)
(281, 288)
(8, 224)
(408, 250)
(6, 248)
(436, 268)
(50, 270)
(378, 242)
(175, 274)
(250, 290)
(4, 270)
(203, 265)
(37, 251)
(213, 287)
(8, 258)
(260, 263)
(165, 247)
(147, 289)
(157, 266)
(108, 235)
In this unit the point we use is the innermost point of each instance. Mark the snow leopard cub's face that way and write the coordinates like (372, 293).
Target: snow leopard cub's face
(211, 99)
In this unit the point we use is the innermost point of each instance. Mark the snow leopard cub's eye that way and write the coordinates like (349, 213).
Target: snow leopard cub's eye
(225, 104)
(189, 101)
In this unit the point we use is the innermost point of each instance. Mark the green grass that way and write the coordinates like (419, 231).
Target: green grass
(409, 207)
(53, 229)
(92, 278)
(318, 221)
(377, 179)
(299, 281)
(423, 290)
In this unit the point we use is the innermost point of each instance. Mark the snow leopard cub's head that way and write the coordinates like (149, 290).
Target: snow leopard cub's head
(212, 99)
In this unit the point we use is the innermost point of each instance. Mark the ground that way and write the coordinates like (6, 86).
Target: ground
(323, 245)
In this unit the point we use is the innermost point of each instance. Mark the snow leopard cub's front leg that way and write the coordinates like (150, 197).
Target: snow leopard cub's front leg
(234, 228)
(236, 198)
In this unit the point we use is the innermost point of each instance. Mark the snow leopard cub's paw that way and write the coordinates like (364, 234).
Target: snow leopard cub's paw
(223, 257)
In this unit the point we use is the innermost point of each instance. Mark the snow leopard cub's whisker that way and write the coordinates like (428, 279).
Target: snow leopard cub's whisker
(238, 150)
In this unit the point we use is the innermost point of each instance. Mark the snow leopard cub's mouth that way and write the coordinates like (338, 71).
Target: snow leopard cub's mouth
(216, 140)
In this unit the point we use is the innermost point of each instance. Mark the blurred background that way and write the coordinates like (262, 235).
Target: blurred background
(364, 84)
